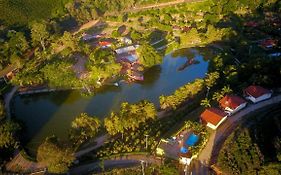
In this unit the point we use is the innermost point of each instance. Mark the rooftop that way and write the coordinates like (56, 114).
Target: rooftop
(231, 101)
(256, 91)
(213, 115)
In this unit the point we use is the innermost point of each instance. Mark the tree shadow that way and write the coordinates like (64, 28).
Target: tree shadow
(251, 63)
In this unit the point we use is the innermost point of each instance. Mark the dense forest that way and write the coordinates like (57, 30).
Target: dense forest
(34, 39)
(22, 12)
(253, 148)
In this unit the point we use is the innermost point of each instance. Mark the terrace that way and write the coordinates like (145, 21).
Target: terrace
(178, 147)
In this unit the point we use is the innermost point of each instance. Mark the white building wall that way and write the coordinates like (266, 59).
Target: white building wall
(232, 111)
(210, 125)
(261, 98)
(184, 160)
(214, 127)
(243, 105)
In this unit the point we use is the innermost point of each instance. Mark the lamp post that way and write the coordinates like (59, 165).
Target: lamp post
(142, 167)
(146, 140)
(185, 169)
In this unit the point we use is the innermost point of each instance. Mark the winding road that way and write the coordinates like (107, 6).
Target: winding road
(164, 4)
(95, 22)
(121, 161)
(7, 99)
(209, 154)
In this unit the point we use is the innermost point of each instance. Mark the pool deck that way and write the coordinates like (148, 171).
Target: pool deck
(172, 148)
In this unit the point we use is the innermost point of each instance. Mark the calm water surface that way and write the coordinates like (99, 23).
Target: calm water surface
(51, 113)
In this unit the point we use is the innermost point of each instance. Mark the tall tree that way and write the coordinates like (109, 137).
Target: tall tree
(211, 79)
(205, 103)
(129, 117)
(220, 94)
(39, 34)
(69, 41)
(17, 42)
(84, 127)
(7, 134)
(60, 74)
(57, 157)
(148, 56)
(2, 110)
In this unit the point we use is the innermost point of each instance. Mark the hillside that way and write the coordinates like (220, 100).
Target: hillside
(22, 12)
(254, 148)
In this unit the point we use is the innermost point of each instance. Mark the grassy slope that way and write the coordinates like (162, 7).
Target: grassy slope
(24, 11)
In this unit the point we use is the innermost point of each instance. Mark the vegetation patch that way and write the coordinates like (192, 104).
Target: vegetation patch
(253, 148)
(25, 11)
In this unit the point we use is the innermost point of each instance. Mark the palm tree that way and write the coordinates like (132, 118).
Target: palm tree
(84, 127)
(226, 90)
(217, 96)
(206, 103)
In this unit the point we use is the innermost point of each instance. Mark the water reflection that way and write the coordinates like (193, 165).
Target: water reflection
(52, 113)
(151, 76)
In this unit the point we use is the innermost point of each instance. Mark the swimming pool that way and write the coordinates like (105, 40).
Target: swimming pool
(192, 140)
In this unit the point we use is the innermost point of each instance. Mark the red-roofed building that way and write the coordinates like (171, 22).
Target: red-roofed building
(268, 43)
(104, 44)
(232, 103)
(257, 93)
(213, 117)
(7, 73)
(251, 24)
(176, 28)
(186, 29)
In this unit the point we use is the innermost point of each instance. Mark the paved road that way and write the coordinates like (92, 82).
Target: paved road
(209, 154)
(125, 161)
(164, 4)
(21, 164)
(99, 142)
(96, 22)
(7, 99)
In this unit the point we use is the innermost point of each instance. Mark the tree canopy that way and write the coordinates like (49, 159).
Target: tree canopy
(181, 94)
(60, 74)
(57, 157)
(84, 127)
(129, 117)
(39, 34)
(148, 56)
(2, 110)
(7, 134)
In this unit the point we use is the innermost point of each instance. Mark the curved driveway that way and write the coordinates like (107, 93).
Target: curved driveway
(7, 99)
(209, 154)
(206, 157)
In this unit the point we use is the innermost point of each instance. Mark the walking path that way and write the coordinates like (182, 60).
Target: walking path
(7, 99)
(96, 22)
(86, 26)
(209, 154)
(164, 4)
(122, 161)
(99, 140)
(21, 164)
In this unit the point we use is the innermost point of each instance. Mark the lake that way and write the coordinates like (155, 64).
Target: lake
(51, 113)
